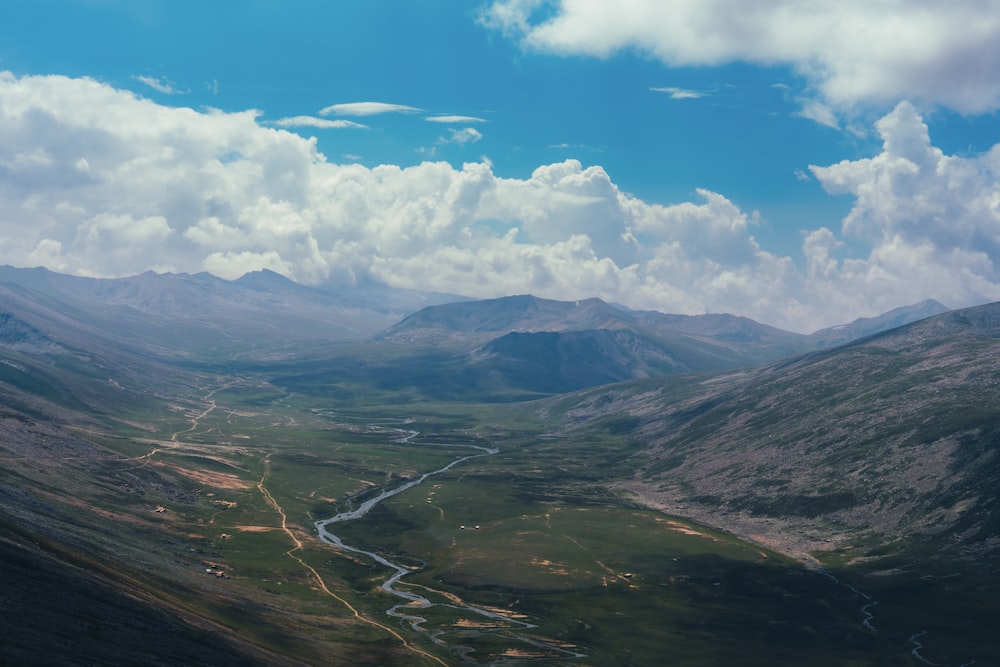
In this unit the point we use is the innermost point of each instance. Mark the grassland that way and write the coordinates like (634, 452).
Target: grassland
(237, 471)
(202, 493)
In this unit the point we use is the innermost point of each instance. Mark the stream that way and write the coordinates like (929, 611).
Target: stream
(868, 618)
(413, 601)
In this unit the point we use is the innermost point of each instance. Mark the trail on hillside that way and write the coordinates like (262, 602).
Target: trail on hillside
(291, 553)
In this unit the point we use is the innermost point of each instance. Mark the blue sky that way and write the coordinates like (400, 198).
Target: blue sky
(658, 154)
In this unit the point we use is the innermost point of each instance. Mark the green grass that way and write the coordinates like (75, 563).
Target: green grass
(627, 584)
(623, 585)
(552, 544)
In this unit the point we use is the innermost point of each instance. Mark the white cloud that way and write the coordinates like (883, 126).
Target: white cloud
(231, 265)
(680, 93)
(932, 220)
(366, 109)
(820, 113)
(850, 51)
(465, 135)
(165, 86)
(455, 120)
(319, 123)
(98, 181)
(566, 146)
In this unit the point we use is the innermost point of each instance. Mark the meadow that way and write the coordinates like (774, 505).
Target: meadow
(572, 572)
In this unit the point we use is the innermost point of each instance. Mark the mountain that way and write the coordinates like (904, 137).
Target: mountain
(561, 361)
(756, 341)
(78, 585)
(201, 314)
(465, 350)
(546, 346)
(543, 346)
(478, 321)
(893, 437)
(16, 334)
(866, 326)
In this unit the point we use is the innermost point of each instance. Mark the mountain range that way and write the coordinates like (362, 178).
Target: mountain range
(440, 346)
(182, 314)
(545, 346)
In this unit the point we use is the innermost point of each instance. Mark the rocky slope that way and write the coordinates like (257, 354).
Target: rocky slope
(895, 436)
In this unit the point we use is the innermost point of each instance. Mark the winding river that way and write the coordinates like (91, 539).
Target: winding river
(412, 601)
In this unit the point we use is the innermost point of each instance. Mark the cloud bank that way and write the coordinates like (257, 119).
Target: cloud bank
(851, 52)
(98, 181)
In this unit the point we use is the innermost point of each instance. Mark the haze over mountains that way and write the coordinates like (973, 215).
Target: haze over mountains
(204, 312)
(446, 344)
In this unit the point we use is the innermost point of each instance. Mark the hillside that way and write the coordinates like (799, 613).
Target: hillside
(557, 362)
(893, 436)
(85, 583)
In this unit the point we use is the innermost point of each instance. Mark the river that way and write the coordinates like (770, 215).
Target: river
(413, 601)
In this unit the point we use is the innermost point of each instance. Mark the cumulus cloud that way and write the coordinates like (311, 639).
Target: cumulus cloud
(465, 135)
(98, 181)
(850, 51)
(319, 123)
(366, 109)
(933, 220)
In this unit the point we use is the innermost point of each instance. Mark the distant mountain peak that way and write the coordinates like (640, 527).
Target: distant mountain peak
(866, 326)
(263, 279)
(488, 317)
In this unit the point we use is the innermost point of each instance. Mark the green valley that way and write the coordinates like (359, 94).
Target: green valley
(836, 508)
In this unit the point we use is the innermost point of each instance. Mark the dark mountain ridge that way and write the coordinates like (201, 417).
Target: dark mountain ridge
(481, 320)
(466, 350)
(547, 346)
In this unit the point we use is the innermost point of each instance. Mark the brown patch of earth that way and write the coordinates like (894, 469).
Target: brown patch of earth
(218, 480)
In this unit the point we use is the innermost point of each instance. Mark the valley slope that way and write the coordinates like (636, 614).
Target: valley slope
(891, 436)
(162, 472)
(878, 458)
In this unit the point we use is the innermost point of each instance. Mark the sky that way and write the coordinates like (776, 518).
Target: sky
(799, 163)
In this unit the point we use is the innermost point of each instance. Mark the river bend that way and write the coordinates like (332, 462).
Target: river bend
(413, 601)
